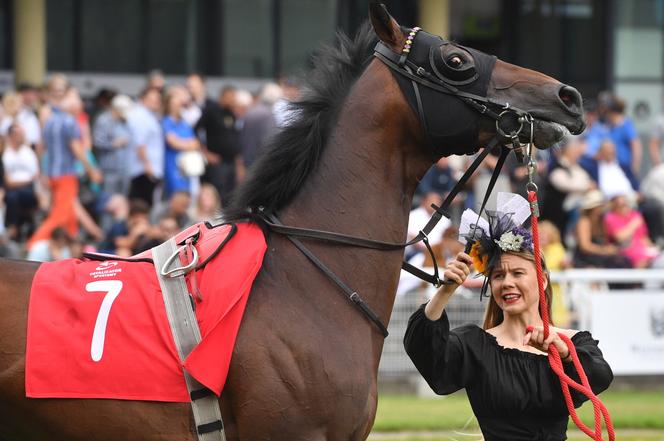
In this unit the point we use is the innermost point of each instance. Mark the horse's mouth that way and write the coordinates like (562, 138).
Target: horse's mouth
(548, 133)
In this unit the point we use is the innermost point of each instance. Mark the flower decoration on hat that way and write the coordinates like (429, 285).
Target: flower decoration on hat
(502, 232)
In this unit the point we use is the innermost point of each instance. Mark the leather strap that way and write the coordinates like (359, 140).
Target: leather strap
(352, 295)
(184, 326)
(422, 236)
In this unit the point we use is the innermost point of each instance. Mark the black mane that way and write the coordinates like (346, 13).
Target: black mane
(279, 172)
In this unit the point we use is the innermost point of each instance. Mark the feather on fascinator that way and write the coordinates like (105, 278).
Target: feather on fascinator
(501, 232)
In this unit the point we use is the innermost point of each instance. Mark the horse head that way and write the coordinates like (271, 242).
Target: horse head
(445, 83)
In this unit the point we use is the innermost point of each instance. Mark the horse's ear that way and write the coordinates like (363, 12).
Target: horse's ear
(385, 26)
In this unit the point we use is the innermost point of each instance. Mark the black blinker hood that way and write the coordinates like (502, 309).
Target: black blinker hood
(453, 126)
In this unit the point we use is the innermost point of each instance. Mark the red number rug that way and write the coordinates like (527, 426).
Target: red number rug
(99, 329)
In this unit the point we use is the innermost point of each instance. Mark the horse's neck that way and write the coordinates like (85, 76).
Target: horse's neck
(364, 186)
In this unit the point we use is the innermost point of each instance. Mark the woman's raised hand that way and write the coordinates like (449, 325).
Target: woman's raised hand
(457, 271)
(455, 274)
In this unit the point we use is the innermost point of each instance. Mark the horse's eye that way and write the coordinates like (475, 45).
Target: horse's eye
(455, 61)
(452, 64)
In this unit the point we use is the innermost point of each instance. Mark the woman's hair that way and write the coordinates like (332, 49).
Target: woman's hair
(494, 315)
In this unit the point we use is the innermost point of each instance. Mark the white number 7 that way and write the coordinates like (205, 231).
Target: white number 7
(112, 289)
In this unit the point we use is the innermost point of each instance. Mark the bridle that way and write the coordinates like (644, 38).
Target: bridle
(510, 123)
(509, 120)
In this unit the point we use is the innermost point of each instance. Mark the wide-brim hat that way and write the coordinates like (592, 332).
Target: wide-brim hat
(122, 104)
(592, 199)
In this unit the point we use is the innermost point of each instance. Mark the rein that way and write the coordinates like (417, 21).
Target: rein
(555, 361)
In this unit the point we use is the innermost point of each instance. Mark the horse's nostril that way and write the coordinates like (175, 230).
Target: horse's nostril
(571, 98)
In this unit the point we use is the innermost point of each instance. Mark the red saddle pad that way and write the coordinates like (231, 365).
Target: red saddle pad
(100, 330)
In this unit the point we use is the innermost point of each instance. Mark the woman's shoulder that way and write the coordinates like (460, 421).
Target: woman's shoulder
(469, 333)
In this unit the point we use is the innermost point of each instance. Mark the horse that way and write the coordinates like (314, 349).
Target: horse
(305, 361)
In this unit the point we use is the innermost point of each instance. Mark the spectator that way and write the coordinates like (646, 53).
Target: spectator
(166, 228)
(611, 177)
(623, 134)
(88, 192)
(56, 247)
(113, 144)
(565, 186)
(438, 179)
(195, 84)
(21, 170)
(15, 110)
(146, 166)
(118, 209)
(179, 137)
(133, 235)
(555, 257)
(483, 177)
(218, 127)
(652, 186)
(596, 131)
(657, 137)
(101, 102)
(615, 179)
(419, 217)
(518, 171)
(259, 123)
(156, 80)
(592, 247)
(30, 95)
(208, 204)
(177, 207)
(626, 228)
(62, 141)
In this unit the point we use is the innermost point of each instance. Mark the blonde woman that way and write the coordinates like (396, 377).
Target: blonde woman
(513, 392)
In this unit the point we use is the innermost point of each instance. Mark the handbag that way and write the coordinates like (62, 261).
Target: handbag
(191, 163)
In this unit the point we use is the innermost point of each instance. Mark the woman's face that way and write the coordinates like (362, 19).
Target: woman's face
(514, 285)
(619, 204)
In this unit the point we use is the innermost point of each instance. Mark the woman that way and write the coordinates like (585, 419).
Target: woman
(513, 391)
(626, 228)
(179, 137)
(555, 255)
(208, 204)
(592, 247)
(565, 186)
(21, 169)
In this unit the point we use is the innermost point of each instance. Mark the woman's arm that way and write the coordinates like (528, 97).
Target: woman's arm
(440, 355)
(457, 272)
(181, 143)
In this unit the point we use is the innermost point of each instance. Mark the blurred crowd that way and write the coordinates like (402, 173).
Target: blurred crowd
(120, 174)
(601, 195)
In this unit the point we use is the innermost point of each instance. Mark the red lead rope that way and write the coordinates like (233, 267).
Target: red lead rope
(554, 357)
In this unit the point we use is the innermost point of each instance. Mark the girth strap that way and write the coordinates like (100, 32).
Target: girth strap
(184, 326)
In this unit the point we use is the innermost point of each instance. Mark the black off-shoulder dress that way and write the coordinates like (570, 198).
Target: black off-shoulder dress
(514, 394)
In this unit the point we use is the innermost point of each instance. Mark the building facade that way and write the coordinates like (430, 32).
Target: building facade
(591, 44)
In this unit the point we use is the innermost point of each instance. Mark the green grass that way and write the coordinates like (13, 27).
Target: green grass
(629, 410)
(572, 436)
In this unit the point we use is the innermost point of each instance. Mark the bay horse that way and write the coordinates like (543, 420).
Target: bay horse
(305, 362)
